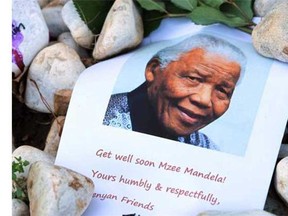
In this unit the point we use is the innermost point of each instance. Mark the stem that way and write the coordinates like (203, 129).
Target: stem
(157, 18)
(44, 100)
(178, 15)
(167, 15)
(241, 11)
(245, 29)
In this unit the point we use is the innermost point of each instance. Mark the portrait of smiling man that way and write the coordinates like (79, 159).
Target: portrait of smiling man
(188, 86)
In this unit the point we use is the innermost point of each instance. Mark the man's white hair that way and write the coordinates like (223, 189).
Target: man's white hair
(210, 44)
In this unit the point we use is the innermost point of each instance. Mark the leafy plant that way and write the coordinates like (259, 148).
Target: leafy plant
(234, 13)
(18, 189)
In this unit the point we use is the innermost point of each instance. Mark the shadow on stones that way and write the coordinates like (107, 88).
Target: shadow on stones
(29, 127)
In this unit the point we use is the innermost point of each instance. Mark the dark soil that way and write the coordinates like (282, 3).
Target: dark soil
(28, 126)
(285, 137)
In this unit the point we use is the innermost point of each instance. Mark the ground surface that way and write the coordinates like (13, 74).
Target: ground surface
(29, 127)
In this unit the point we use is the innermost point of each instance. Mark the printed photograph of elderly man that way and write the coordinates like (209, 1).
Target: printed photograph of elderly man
(187, 86)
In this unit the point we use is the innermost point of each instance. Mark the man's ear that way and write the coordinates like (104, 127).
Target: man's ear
(152, 68)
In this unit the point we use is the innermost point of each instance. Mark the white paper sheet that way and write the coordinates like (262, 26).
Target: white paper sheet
(198, 179)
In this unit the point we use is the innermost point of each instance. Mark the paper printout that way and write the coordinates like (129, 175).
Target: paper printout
(143, 174)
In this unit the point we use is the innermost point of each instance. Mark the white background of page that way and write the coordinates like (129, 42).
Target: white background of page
(247, 176)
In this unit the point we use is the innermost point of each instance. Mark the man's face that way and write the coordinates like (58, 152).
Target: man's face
(191, 92)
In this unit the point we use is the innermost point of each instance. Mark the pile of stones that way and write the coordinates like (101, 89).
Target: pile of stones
(56, 47)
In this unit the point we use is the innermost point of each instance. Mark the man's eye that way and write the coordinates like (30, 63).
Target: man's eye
(224, 92)
(194, 79)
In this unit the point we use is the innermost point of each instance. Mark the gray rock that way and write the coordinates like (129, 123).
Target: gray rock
(262, 7)
(43, 3)
(61, 101)
(231, 213)
(79, 30)
(58, 2)
(54, 68)
(270, 36)
(122, 30)
(67, 38)
(30, 34)
(53, 18)
(54, 135)
(19, 208)
(281, 179)
(31, 154)
(55, 190)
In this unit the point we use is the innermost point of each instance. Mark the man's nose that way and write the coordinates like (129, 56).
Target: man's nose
(202, 96)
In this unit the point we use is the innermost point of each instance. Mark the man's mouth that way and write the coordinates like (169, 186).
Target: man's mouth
(189, 116)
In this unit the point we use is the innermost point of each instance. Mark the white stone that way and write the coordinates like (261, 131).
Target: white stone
(231, 213)
(122, 30)
(281, 179)
(29, 34)
(79, 30)
(270, 36)
(63, 1)
(55, 190)
(31, 154)
(57, 2)
(54, 68)
(54, 135)
(61, 101)
(43, 3)
(19, 208)
(261, 7)
(53, 18)
(67, 38)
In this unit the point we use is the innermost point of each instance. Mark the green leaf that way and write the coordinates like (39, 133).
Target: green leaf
(14, 176)
(185, 4)
(18, 183)
(18, 158)
(240, 8)
(151, 5)
(246, 6)
(93, 12)
(213, 3)
(25, 163)
(19, 193)
(173, 9)
(151, 21)
(205, 15)
(16, 166)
